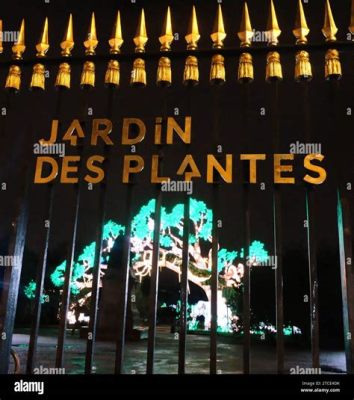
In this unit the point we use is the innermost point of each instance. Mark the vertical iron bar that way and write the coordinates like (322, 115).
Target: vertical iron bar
(184, 288)
(41, 270)
(214, 282)
(278, 241)
(59, 362)
(182, 346)
(313, 276)
(40, 287)
(154, 284)
(311, 244)
(91, 337)
(92, 330)
(347, 278)
(246, 300)
(12, 277)
(215, 241)
(344, 231)
(122, 315)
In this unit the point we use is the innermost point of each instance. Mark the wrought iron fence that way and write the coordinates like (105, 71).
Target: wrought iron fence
(90, 79)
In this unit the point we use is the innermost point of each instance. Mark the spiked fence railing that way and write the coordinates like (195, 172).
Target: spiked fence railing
(303, 69)
(303, 72)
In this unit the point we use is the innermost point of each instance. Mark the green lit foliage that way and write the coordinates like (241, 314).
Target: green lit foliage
(30, 290)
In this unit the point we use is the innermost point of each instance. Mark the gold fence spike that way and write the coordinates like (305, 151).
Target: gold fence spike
(246, 33)
(333, 67)
(167, 37)
(116, 41)
(193, 36)
(19, 46)
(351, 27)
(1, 37)
(43, 45)
(141, 37)
(68, 43)
(329, 29)
(218, 35)
(301, 30)
(112, 77)
(91, 42)
(273, 30)
(303, 68)
(13, 80)
(64, 76)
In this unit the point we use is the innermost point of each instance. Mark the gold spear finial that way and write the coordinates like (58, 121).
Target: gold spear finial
(245, 67)
(218, 36)
(329, 27)
(301, 29)
(91, 42)
(1, 33)
(141, 37)
(68, 42)
(351, 27)
(116, 40)
(193, 36)
(246, 32)
(43, 45)
(273, 30)
(19, 47)
(167, 37)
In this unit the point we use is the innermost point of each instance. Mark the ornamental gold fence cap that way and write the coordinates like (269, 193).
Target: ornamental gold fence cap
(68, 43)
(246, 32)
(1, 33)
(141, 37)
(116, 41)
(19, 47)
(91, 42)
(329, 29)
(301, 29)
(273, 30)
(43, 45)
(193, 36)
(351, 27)
(218, 35)
(167, 37)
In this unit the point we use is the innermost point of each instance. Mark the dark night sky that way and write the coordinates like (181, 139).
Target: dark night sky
(31, 114)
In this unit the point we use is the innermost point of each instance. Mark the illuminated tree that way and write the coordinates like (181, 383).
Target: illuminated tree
(230, 263)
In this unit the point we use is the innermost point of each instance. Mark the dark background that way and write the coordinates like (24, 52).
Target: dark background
(31, 114)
